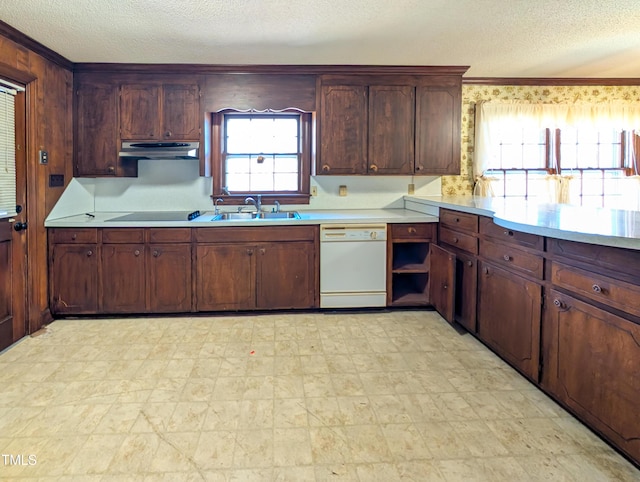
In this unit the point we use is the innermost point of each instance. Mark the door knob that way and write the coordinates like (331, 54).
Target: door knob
(20, 226)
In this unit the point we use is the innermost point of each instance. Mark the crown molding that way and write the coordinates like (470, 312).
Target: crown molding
(18, 37)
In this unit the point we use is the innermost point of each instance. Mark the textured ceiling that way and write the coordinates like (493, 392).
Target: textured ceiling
(517, 38)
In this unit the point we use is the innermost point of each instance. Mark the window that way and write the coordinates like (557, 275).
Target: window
(595, 161)
(7, 151)
(263, 153)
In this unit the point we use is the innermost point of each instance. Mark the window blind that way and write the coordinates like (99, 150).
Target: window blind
(7, 152)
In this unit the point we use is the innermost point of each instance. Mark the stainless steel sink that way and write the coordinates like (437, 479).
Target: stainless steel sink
(280, 215)
(233, 216)
(254, 215)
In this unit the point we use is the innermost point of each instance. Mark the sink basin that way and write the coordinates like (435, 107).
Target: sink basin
(233, 216)
(254, 215)
(280, 215)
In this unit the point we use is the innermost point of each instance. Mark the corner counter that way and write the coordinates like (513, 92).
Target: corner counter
(602, 226)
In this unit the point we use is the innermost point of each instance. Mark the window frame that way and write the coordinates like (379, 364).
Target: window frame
(301, 196)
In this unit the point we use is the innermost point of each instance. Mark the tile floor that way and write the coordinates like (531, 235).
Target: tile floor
(299, 397)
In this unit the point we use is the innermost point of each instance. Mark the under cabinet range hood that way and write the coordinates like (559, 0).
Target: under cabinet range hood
(160, 150)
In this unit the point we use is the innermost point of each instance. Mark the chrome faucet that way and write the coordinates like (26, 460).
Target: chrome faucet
(277, 203)
(216, 208)
(257, 203)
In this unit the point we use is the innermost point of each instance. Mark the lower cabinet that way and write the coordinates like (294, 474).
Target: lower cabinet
(509, 309)
(279, 272)
(123, 278)
(169, 278)
(592, 359)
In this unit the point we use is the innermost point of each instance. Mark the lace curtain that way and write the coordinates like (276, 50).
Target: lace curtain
(495, 120)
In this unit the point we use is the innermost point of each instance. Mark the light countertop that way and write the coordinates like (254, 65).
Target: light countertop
(603, 226)
(353, 216)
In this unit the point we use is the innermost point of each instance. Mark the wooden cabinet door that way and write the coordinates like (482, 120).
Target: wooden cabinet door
(123, 278)
(509, 308)
(180, 112)
(391, 129)
(438, 130)
(285, 275)
(169, 278)
(343, 130)
(140, 112)
(466, 290)
(442, 281)
(74, 279)
(591, 364)
(225, 277)
(96, 133)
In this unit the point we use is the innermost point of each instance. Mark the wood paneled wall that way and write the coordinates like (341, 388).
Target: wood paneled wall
(49, 82)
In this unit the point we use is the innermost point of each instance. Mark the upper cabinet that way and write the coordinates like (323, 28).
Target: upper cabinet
(163, 112)
(389, 125)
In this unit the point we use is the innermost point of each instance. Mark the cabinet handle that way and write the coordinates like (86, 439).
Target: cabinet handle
(559, 303)
(250, 252)
(156, 253)
(506, 257)
(111, 169)
(455, 240)
(469, 264)
(373, 168)
(136, 252)
(508, 233)
(486, 271)
(326, 168)
(168, 134)
(596, 288)
(263, 251)
(412, 230)
(74, 236)
(89, 253)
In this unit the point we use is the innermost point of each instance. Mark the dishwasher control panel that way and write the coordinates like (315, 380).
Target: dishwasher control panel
(353, 232)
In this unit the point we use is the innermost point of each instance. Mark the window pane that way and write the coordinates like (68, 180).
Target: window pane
(286, 182)
(590, 148)
(238, 164)
(515, 184)
(238, 182)
(286, 164)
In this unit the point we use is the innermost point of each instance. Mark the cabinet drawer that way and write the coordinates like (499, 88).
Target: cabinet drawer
(123, 235)
(169, 235)
(460, 240)
(232, 234)
(82, 235)
(615, 293)
(510, 256)
(413, 231)
(459, 221)
(489, 228)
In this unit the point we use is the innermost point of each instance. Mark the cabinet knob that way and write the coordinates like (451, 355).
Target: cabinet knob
(151, 134)
(373, 168)
(156, 253)
(89, 253)
(559, 303)
(506, 257)
(136, 252)
(168, 134)
(250, 252)
(508, 233)
(469, 264)
(486, 271)
(326, 168)
(596, 288)
(412, 230)
(457, 220)
(74, 236)
(111, 169)
(263, 251)
(455, 240)
(419, 168)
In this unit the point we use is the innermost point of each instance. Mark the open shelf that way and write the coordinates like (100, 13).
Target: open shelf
(410, 289)
(410, 257)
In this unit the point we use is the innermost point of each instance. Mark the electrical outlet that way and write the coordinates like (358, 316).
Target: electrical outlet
(314, 190)
(56, 180)
(342, 191)
(411, 188)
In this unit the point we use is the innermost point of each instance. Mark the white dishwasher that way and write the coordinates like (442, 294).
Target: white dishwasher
(353, 265)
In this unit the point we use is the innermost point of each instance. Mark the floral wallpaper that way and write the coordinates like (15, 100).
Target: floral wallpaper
(463, 184)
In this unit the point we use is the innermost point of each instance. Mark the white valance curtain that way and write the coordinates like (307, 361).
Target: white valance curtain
(495, 120)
